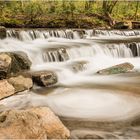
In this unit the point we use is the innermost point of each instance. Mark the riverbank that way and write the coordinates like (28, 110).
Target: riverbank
(53, 21)
(61, 21)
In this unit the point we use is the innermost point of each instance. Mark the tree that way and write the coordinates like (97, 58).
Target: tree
(32, 10)
(108, 7)
(136, 11)
(89, 5)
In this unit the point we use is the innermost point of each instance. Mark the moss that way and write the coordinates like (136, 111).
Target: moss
(117, 70)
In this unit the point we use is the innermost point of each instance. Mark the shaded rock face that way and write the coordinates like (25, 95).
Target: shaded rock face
(13, 62)
(123, 25)
(44, 78)
(20, 61)
(6, 89)
(20, 83)
(135, 24)
(133, 47)
(5, 62)
(33, 123)
(120, 68)
(2, 32)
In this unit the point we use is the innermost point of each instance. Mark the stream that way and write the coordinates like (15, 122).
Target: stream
(92, 106)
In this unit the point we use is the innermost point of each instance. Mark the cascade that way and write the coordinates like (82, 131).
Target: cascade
(72, 44)
(26, 35)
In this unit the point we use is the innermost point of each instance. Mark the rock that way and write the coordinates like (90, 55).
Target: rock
(33, 123)
(133, 47)
(120, 68)
(53, 54)
(5, 62)
(136, 24)
(123, 25)
(6, 89)
(2, 32)
(52, 124)
(92, 134)
(63, 55)
(19, 61)
(21, 83)
(77, 66)
(21, 124)
(44, 78)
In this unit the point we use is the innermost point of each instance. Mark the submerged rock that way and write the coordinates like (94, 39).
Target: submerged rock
(14, 62)
(44, 78)
(21, 83)
(77, 66)
(33, 123)
(6, 89)
(120, 68)
(2, 32)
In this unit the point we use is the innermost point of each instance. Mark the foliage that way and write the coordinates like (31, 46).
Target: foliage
(33, 11)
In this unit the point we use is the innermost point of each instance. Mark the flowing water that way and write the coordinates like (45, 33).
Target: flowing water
(90, 105)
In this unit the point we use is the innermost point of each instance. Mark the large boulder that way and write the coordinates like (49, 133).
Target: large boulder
(13, 62)
(6, 89)
(120, 68)
(44, 78)
(52, 124)
(2, 32)
(5, 64)
(21, 83)
(33, 123)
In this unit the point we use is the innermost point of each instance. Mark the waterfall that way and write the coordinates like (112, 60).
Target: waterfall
(25, 35)
(117, 32)
(46, 44)
(34, 34)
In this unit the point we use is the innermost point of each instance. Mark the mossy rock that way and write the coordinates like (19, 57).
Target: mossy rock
(2, 32)
(120, 68)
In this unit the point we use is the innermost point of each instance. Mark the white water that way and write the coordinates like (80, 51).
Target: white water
(77, 95)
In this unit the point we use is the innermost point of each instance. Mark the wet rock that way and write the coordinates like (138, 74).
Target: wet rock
(55, 55)
(120, 68)
(80, 32)
(123, 25)
(44, 78)
(92, 134)
(5, 62)
(133, 47)
(33, 123)
(135, 24)
(2, 32)
(21, 83)
(19, 61)
(6, 89)
(63, 55)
